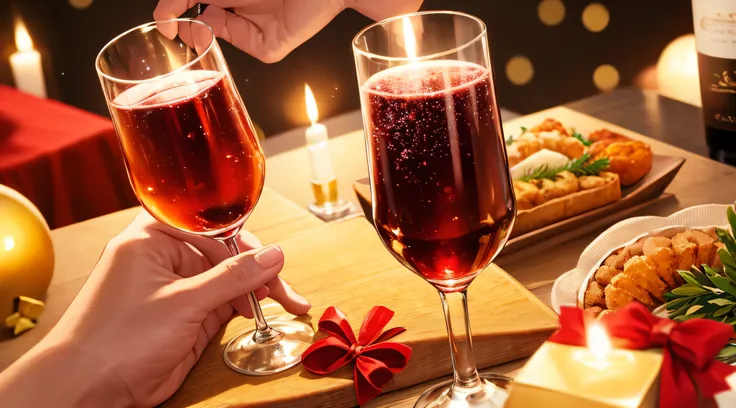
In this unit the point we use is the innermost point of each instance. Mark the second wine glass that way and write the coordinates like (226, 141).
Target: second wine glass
(443, 203)
(193, 157)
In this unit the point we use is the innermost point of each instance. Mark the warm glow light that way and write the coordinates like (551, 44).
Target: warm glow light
(599, 343)
(8, 244)
(410, 41)
(312, 110)
(677, 71)
(23, 40)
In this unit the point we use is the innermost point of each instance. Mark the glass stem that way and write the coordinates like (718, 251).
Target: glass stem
(455, 306)
(263, 331)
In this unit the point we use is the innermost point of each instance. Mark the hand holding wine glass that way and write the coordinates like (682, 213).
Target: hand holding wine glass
(153, 302)
(193, 158)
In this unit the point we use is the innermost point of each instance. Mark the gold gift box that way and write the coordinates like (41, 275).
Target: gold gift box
(559, 375)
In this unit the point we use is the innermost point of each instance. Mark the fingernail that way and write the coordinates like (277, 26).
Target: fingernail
(269, 256)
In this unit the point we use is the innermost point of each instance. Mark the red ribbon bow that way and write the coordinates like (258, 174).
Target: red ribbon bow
(689, 349)
(376, 361)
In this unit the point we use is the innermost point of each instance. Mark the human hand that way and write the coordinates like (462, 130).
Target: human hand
(270, 29)
(152, 304)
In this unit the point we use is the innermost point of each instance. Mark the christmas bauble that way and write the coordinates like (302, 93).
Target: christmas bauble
(26, 251)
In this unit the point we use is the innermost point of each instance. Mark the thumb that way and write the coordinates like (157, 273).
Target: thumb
(234, 277)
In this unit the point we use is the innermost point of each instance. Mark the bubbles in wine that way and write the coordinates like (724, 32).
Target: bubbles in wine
(438, 167)
(192, 157)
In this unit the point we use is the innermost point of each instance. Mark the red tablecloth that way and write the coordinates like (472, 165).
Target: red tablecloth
(65, 160)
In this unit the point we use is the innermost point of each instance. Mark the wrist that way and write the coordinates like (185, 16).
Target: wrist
(62, 375)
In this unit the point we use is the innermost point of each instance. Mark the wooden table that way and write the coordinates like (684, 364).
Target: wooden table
(701, 181)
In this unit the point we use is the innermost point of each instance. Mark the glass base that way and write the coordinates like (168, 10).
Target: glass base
(332, 211)
(282, 350)
(492, 393)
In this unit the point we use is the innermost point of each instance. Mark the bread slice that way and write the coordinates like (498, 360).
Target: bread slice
(568, 206)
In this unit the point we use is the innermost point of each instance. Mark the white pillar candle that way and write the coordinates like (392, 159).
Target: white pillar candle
(316, 136)
(26, 64)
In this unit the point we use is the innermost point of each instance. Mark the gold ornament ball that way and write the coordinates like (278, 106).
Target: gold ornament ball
(26, 251)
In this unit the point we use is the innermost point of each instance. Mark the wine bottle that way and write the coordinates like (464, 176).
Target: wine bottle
(715, 37)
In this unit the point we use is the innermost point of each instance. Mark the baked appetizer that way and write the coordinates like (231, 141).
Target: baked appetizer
(550, 135)
(628, 158)
(647, 269)
(558, 173)
(549, 188)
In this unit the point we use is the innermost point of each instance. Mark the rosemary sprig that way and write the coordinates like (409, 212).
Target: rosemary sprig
(510, 139)
(577, 167)
(709, 293)
(581, 138)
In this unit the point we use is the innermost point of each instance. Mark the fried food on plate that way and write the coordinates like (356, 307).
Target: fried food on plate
(543, 202)
(550, 125)
(659, 251)
(630, 159)
(647, 269)
(527, 195)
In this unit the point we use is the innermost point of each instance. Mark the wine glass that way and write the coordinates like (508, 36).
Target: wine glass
(443, 202)
(193, 157)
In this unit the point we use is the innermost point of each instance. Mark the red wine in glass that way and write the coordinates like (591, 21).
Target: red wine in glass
(443, 204)
(191, 153)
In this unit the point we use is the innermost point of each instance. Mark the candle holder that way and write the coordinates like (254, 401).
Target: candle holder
(328, 206)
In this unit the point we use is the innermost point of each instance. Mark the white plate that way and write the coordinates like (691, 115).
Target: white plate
(566, 289)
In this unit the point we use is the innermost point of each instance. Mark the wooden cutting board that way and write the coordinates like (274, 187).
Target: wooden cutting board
(345, 265)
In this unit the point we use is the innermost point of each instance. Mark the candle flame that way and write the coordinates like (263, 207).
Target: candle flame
(599, 343)
(410, 41)
(312, 110)
(23, 40)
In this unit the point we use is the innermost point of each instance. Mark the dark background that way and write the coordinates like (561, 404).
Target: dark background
(564, 56)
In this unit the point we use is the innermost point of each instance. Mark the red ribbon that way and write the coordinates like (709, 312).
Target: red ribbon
(376, 360)
(689, 349)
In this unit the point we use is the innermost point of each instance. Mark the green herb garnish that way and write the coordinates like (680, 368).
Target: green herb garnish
(709, 293)
(577, 167)
(581, 138)
(510, 139)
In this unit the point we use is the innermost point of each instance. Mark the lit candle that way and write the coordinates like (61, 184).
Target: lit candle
(324, 182)
(319, 152)
(597, 376)
(26, 64)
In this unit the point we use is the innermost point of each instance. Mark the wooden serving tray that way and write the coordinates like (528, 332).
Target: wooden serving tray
(345, 265)
(648, 190)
